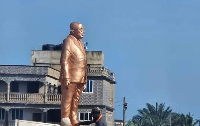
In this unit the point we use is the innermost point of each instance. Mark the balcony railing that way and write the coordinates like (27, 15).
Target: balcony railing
(26, 97)
(30, 98)
(100, 71)
(3, 97)
(33, 98)
(53, 98)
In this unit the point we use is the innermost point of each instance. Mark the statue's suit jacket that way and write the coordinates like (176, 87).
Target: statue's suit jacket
(73, 61)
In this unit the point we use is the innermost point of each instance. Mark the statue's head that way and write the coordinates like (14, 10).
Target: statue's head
(77, 30)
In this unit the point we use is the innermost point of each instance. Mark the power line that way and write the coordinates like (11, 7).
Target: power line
(118, 105)
(118, 101)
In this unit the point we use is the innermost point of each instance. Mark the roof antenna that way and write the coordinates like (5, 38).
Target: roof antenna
(85, 45)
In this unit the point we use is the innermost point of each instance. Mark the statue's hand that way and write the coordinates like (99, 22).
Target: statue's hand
(66, 83)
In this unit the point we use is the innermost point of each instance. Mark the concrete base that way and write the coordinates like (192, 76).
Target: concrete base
(32, 123)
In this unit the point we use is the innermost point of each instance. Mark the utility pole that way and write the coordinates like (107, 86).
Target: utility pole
(124, 110)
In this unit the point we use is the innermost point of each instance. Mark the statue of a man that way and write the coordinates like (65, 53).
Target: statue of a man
(73, 74)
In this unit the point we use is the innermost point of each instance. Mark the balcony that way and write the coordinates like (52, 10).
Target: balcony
(26, 98)
(30, 98)
(3, 97)
(33, 98)
(100, 71)
(53, 99)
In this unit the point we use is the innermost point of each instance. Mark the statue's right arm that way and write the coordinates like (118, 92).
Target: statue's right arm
(65, 54)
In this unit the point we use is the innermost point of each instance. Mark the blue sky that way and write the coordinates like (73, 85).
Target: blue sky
(152, 46)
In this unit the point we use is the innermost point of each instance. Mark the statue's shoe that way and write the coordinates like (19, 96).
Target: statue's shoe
(65, 122)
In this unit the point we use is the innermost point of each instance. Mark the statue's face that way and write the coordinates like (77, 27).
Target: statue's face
(79, 31)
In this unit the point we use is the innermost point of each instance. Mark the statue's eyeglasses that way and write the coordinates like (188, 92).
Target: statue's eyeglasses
(79, 30)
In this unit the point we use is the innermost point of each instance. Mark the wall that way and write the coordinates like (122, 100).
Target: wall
(106, 93)
(52, 58)
(27, 113)
(41, 88)
(47, 58)
(110, 118)
(112, 95)
(95, 98)
(95, 58)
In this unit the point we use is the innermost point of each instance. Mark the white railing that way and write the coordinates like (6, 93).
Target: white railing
(33, 123)
(3, 96)
(54, 98)
(100, 71)
(17, 97)
(26, 97)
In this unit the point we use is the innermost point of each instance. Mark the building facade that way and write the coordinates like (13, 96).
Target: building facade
(33, 92)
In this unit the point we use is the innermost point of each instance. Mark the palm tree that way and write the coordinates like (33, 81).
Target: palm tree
(130, 123)
(183, 120)
(152, 115)
(159, 116)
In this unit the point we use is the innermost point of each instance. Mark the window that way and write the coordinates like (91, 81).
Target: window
(17, 114)
(85, 116)
(89, 87)
(14, 86)
(2, 114)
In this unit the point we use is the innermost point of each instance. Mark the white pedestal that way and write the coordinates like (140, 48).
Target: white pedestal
(32, 123)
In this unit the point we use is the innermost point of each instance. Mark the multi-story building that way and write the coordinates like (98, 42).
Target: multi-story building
(33, 92)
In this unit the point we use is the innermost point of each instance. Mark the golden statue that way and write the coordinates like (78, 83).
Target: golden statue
(73, 74)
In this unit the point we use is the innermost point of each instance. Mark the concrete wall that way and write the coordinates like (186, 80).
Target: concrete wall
(52, 58)
(112, 95)
(41, 87)
(95, 98)
(102, 94)
(40, 57)
(45, 58)
(28, 113)
(106, 93)
(110, 118)
(95, 58)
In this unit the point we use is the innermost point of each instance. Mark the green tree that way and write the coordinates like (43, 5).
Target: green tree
(152, 116)
(183, 120)
(159, 116)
